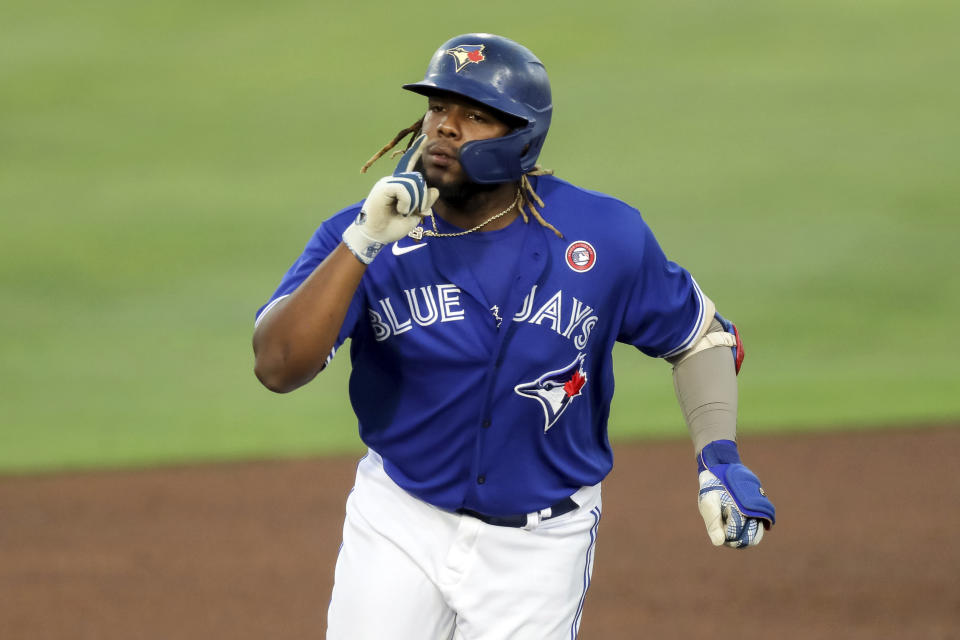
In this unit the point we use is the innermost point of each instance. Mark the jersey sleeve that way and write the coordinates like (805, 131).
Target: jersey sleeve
(665, 310)
(324, 240)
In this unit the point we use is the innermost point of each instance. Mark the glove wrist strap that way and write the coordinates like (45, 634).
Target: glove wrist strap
(360, 244)
(716, 453)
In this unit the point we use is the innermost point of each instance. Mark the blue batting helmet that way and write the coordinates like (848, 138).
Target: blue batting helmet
(506, 77)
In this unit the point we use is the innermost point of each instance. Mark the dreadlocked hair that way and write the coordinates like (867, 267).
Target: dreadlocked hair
(413, 131)
(529, 200)
(528, 196)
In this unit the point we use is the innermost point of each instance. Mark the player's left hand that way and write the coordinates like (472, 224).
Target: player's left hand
(732, 502)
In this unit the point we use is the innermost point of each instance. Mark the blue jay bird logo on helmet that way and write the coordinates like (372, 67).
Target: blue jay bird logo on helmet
(466, 54)
(556, 390)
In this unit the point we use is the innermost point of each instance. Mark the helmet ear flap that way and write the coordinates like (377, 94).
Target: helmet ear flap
(499, 159)
(489, 163)
(532, 152)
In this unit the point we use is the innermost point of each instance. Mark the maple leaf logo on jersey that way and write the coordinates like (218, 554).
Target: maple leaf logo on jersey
(555, 390)
(465, 54)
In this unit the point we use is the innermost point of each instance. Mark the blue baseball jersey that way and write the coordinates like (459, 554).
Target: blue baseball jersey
(501, 405)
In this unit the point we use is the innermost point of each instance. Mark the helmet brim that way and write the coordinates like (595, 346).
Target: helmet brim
(480, 93)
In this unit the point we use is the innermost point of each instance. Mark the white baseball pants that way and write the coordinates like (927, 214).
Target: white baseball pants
(410, 571)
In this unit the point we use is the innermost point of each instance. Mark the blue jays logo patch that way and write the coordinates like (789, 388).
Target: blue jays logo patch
(555, 390)
(465, 54)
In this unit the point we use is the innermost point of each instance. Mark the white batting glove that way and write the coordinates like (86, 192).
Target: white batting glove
(726, 524)
(734, 507)
(395, 206)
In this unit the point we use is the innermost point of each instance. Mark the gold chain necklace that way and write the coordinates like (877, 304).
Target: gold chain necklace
(419, 232)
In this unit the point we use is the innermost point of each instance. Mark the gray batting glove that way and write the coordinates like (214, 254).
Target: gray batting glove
(395, 206)
(733, 505)
(726, 524)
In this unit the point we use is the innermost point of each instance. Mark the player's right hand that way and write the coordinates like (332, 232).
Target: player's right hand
(394, 207)
(410, 157)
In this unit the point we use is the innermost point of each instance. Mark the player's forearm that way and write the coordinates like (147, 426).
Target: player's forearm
(294, 339)
(706, 387)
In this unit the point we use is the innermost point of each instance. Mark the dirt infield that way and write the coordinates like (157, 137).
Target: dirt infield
(865, 547)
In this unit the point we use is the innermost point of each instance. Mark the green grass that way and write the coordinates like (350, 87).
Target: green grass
(161, 165)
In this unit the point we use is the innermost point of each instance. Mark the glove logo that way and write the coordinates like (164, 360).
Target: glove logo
(581, 256)
(466, 54)
(556, 390)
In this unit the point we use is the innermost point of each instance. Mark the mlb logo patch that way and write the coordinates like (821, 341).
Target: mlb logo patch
(466, 54)
(581, 256)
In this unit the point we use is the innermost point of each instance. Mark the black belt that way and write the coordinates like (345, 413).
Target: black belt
(564, 506)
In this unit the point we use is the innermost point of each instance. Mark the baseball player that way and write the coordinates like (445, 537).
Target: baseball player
(483, 297)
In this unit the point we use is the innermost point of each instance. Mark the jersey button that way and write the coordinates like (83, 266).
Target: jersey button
(486, 424)
(481, 479)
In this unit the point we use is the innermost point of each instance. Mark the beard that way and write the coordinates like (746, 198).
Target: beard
(461, 193)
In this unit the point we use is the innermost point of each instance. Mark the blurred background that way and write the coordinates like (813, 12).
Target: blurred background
(162, 164)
